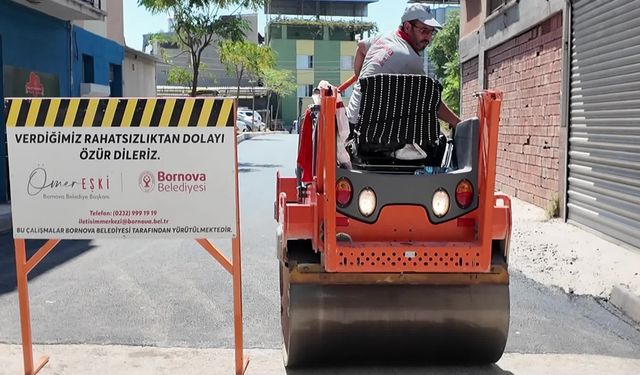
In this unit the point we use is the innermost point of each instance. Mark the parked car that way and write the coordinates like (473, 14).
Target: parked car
(242, 126)
(252, 119)
(249, 112)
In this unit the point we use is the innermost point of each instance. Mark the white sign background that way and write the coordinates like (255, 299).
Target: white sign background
(187, 190)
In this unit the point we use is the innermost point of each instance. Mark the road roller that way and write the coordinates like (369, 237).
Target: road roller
(393, 261)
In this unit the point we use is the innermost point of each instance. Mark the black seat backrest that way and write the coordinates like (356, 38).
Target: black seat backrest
(466, 140)
(399, 109)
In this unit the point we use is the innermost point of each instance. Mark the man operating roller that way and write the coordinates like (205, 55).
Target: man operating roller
(397, 52)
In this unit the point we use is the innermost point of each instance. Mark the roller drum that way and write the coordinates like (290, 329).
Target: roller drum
(381, 324)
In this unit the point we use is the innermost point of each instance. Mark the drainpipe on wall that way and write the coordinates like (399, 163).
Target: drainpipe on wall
(563, 161)
(70, 68)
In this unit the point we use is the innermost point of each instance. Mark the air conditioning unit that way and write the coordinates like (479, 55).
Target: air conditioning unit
(94, 90)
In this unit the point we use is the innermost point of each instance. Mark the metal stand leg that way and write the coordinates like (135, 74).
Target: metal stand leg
(25, 315)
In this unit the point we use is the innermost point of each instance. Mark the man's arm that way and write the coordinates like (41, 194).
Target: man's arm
(447, 115)
(361, 52)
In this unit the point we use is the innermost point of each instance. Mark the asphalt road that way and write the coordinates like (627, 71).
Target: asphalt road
(172, 293)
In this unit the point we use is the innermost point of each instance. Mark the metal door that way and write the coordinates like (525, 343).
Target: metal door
(604, 134)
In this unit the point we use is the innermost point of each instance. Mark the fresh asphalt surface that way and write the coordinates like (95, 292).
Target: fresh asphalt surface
(171, 293)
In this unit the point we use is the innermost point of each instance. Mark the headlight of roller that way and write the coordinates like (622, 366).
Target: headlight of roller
(440, 203)
(367, 202)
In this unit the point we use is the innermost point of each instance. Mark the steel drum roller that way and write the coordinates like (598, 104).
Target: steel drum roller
(328, 324)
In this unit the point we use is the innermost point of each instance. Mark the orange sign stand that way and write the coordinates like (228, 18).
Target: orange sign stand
(233, 266)
(24, 266)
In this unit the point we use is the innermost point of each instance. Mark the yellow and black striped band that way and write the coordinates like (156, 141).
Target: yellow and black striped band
(120, 112)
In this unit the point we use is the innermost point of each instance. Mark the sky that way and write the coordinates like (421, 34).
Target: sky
(138, 21)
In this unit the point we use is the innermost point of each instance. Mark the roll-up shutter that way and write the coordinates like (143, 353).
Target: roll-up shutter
(604, 135)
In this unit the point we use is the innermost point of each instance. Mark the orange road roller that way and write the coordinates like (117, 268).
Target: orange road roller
(393, 259)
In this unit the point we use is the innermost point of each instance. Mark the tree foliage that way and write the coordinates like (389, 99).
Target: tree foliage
(451, 91)
(281, 83)
(179, 76)
(241, 57)
(162, 5)
(197, 24)
(355, 26)
(443, 52)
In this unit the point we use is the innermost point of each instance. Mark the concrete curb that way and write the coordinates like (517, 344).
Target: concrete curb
(622, 298)
(248, 135)
(245, 136)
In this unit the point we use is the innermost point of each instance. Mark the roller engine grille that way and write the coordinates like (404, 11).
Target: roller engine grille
(410, 260)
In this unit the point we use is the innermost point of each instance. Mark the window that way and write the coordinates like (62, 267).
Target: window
(307, 32)
(341, 34)
(305, 91)
(87, 69)
(346, 62)
(275, 31)
(168, 45)
(304, 62)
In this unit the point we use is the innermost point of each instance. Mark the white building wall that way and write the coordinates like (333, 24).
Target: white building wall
(139, 75)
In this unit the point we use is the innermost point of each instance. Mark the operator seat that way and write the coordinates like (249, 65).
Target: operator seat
(395, 110)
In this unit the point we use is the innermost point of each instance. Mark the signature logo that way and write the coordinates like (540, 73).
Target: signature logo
(146, 181)
(39, 181)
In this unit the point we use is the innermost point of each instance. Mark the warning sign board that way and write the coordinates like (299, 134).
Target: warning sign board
(122, 168)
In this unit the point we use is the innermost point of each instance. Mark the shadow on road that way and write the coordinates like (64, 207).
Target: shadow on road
(63, 252)
(436, 370)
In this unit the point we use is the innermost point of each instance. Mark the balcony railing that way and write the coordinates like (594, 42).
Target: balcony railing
(67, 10)
(94, 3)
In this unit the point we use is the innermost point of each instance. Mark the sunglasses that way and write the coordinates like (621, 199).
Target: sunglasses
(423, 30)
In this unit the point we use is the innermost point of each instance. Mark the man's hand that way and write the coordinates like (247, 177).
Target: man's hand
(445, 114)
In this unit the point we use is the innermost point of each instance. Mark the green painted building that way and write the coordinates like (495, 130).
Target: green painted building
(316, 49)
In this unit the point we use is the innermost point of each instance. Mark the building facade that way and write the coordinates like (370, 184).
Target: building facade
(58, 48)
(313, 53)
(100, 52)
(213, 74)
(314, 49)
(569, 124)
(139, 73)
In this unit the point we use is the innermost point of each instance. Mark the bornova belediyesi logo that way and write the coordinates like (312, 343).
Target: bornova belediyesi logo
(146, 181)
(171, 182)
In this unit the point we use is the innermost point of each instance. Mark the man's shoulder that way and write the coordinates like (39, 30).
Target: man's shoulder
(383, 37)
